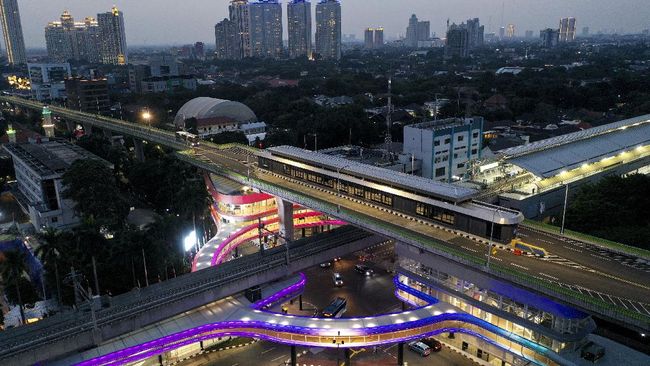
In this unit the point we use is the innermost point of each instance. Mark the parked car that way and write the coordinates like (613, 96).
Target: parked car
(338, 279)
(420, 348)
(363, 269)
(433, 343)
(326, 265)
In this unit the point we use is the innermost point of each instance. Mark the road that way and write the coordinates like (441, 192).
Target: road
(366, 295)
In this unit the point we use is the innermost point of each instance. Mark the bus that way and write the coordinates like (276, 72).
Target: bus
(191, 139)
(525, 247)
(336, 308)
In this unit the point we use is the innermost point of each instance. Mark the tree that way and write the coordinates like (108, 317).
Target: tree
(51, 246)
(12, 270)
(92, 185)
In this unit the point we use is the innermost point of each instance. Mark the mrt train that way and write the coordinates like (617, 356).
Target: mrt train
(441, 203)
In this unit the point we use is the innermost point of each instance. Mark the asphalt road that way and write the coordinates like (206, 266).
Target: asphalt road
(366, 295)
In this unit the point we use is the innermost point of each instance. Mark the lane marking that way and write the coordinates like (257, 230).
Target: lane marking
(277, 358)
(520, 266)
(267, 351)
(549, 276)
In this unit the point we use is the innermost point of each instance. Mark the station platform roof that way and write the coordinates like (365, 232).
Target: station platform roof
(548, 158)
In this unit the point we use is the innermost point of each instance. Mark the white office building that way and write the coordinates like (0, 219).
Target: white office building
(40, 166)
(445, 147)
(48, 80)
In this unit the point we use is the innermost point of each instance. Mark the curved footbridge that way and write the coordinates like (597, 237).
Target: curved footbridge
(231, 317)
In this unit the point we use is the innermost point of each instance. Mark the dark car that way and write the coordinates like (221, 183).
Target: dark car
(325, 264)
(363, 269)
(433, 343)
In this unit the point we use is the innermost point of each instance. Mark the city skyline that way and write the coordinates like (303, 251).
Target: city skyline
(145, 20)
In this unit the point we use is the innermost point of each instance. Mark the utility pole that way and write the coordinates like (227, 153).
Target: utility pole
(95, 274)
(566, 198)
(389, 123)
(144, 263)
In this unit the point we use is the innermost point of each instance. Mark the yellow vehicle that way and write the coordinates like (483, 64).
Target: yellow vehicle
(517, 243)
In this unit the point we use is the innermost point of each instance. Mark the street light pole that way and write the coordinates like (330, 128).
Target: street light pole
(491, 236)
(566, 198)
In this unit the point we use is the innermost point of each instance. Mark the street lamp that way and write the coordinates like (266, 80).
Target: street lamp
(190, 241)
(491, 236)
(147, 116)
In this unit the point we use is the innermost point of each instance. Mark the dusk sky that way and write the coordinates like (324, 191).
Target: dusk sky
(159, 22)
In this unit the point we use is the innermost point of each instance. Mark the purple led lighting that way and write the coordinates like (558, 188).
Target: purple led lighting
(295, 288)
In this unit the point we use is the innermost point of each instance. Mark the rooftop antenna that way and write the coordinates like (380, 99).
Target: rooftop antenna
(389, 123)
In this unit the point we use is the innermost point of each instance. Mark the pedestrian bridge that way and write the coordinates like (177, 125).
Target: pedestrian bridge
(250, 321)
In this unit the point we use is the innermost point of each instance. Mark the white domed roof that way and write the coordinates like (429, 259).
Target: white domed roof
(204, 108)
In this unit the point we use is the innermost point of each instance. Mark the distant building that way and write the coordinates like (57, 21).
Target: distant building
(299, 28)
(549, 37)
(412, 32)
(457, 41)
(48, 80)
(328, 29)
(199, 50)
(585, 31)
(40, 167)
(69, 40)
(373, 38)
(163, 65)
(266, 28)
(502, 32)
(113, 49)
(529, 34)
(424, 30)
(567, 29)
(168, 84)
(239, 11)
(445, 147)
(511, 31)
(87, 95)
(476, 33)
(227, 41)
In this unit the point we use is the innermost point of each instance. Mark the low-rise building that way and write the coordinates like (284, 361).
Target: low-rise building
(40, 166)
(445, 147)
(88, 95)
(163, 84)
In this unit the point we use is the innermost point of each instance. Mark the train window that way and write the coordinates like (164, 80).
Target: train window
(358, 191)
(286, 168)
(420, 209)
(387, 200)
(299, 174)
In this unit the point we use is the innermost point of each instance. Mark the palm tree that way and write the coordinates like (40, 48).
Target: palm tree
(48, 252)
(12, 269)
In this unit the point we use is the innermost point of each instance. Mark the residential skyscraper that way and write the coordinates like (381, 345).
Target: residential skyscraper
(502, 32)
(328, 29)
(369, 38)
(476, 33)
(227, 40)
(239, 11)
(69, 40)
(457, 41)
(13, 32)
(412, 32)
(373, 38)
(424, 30)
(585, 31)
(511, 31)
(112, 48)
(266, 28)
(549, 37)
(299, 28)
(567, 29)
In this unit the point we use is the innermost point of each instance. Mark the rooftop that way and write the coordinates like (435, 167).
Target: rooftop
(49, 158)
(436, 189)
(547, 158)
(441, 124)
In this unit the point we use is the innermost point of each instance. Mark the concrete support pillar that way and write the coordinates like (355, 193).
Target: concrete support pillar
(400, 354)
(347, 357)
(294, 356)
(139, 149)
(88, 129)
(285, 213)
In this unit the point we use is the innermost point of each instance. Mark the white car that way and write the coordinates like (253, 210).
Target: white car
(338, 279)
